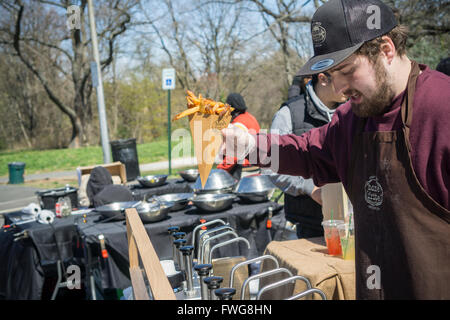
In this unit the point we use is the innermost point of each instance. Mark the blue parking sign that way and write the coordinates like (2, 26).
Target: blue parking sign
(168, 79)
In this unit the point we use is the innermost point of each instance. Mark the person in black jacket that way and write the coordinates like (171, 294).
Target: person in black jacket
(306, 108)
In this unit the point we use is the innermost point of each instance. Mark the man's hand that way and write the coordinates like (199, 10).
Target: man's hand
(237, 142)
(316, 195)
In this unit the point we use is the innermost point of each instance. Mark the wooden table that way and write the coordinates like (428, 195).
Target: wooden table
(309, 258)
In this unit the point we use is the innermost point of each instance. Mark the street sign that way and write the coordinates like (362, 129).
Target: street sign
(168, 79)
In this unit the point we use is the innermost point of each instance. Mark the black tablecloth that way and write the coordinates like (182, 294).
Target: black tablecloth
(170, 186)
(22, 263)
(249, 221)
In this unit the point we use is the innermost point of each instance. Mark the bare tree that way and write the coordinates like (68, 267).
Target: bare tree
(281, 17)
(67, 51)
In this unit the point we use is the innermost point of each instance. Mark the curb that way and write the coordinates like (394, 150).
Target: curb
(160, 165)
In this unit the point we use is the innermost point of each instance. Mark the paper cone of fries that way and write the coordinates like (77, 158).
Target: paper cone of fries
(205, 130)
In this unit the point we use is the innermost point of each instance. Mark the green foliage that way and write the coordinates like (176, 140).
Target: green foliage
(430, 51)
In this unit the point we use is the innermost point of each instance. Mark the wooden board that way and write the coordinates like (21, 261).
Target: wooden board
(205, 130)
(139, 288)
(139, 241)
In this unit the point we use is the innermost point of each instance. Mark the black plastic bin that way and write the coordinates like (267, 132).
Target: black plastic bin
(49, 198)
(125, 151)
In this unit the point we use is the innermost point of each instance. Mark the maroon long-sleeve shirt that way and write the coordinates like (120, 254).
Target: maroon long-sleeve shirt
(324, 153)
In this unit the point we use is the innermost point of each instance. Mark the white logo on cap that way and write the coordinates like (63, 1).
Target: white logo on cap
(318, 33)
(322, 64)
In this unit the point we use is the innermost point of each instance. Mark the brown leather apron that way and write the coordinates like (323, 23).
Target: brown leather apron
(402, 235)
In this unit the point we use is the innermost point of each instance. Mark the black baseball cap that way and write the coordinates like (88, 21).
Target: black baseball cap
(340, 27)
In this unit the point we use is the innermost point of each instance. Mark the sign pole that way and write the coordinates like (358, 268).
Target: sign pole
(169, 131)
(168, 83)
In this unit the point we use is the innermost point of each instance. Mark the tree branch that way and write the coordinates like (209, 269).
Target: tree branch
(44, 83)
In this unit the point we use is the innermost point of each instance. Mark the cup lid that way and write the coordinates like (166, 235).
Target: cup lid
(332, 223)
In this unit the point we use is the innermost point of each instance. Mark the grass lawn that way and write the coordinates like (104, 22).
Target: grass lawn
(39, 161)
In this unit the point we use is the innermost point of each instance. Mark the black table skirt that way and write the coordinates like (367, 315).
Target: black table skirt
(249, 221)
(22, 263)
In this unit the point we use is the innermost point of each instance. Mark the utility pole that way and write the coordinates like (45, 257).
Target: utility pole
(97, 82)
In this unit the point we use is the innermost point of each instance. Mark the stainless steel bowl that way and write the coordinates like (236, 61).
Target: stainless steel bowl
(153, 211)
(255, 188)
(152, 180)
(211, 202)
(179, 200)
(253, 197)
(189, 175)
(116, 210)
(219, 181)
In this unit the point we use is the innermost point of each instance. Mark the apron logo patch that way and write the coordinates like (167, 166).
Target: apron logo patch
(373, 193)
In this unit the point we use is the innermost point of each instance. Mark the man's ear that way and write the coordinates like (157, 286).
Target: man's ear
(322, 79)
(388, 49)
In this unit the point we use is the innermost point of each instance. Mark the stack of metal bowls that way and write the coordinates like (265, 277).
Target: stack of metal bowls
(255, 188)
(217, 195)
(179, 200)
(213, 202)
(219, 181)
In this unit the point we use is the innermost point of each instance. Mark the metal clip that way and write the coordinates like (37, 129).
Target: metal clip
(21, 235)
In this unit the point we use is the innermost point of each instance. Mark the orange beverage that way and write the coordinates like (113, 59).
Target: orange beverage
(332, 238)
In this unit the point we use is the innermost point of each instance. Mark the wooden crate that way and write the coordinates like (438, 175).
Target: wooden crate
(116, 169)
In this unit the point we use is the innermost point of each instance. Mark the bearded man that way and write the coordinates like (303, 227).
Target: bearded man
(389, 145)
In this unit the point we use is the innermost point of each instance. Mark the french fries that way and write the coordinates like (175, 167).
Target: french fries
(203, 105)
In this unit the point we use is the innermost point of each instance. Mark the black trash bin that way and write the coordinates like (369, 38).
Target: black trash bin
(16, 170)
(125, 151)
(49, 198)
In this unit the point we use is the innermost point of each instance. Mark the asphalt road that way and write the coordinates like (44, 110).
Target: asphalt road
(14, 197)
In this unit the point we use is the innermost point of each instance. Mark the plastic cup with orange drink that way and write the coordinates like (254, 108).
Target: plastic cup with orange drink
(332, 238)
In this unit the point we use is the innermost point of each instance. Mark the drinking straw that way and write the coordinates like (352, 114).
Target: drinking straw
(348, 233)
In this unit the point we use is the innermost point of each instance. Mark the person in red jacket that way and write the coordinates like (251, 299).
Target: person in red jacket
(241, 118)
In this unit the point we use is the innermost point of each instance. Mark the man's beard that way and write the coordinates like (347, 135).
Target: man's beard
(377, 103)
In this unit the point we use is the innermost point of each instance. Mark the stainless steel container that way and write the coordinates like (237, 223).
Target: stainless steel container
(153, 211)
(116, 210)
(152, 181)
(179, 200)
(189, 175)
(255, 188)
(219, 181)
(211, 202)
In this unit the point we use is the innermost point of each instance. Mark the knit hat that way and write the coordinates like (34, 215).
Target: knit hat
(236, 101)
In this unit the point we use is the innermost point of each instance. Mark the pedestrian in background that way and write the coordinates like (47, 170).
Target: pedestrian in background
(309, 106)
